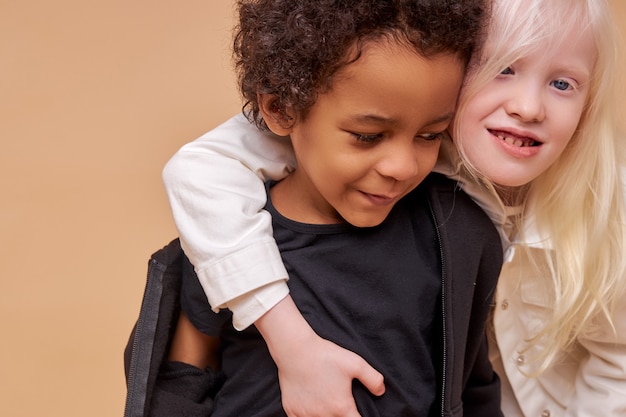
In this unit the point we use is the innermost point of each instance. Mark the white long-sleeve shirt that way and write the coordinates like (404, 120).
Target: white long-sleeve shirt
(215, 187)
(216, 190)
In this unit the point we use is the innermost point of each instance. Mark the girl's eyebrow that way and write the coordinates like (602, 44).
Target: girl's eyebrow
(577, 70)
(371, 118)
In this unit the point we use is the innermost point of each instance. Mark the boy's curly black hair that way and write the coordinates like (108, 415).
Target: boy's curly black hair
(292, 48)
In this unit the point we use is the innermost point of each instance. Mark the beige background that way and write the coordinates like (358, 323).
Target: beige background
(95, 96)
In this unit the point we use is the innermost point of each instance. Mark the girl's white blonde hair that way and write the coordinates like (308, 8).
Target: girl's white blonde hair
(580, 202)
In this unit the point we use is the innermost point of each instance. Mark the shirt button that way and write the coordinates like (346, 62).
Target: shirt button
(505, 304)
(545, 413)
(520, 360)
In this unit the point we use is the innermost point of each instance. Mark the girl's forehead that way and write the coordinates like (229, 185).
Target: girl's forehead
(572, 43)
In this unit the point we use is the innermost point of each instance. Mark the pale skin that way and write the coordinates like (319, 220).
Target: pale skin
(537, 100)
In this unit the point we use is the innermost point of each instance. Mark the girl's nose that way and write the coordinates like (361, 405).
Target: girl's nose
(526, 103)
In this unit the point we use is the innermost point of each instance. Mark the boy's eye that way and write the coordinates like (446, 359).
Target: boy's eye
(368, 138)
(432, 136)
(561, 85)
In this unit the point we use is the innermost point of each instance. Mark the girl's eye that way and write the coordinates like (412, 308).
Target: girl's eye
(507, 71)
(368, 138)
(561, 85)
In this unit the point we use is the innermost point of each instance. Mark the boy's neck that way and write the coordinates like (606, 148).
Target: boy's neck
(293, 198)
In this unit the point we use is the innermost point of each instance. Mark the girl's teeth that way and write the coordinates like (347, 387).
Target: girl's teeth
(514, 142)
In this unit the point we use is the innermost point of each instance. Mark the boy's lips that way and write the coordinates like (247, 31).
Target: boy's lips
(516, 138)
(380, 199)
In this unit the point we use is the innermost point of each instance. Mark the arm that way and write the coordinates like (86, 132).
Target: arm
(215, 187)
(217, 204)
(191, 346)
(321, 385)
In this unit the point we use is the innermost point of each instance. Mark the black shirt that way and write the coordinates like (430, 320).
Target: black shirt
(375, 291)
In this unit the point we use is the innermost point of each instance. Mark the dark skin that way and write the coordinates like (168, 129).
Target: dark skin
(191, 346)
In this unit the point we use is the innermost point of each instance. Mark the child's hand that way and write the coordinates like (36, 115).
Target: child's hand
(315, 374)
(316, 379)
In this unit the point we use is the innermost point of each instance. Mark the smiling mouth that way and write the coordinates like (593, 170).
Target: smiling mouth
(379, 199)
(520, 142)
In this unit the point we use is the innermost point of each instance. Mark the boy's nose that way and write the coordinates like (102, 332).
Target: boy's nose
(400, 163)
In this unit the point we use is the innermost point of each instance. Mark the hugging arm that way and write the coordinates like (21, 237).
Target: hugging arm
(217, 202)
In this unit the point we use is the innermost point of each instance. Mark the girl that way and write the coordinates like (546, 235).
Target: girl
(543, 131)
(536, 128)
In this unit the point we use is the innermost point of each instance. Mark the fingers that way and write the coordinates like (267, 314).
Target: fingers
(347, 409)
(370, 378)
(323, 386)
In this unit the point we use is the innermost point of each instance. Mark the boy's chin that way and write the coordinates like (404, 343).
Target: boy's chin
(366, 219)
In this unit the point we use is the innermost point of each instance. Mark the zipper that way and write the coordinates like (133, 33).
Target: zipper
(443, 311)
(132, 397)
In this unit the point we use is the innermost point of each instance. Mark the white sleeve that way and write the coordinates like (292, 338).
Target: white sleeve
(216, 190)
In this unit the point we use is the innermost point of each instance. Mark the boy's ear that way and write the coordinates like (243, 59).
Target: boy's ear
(278, 121)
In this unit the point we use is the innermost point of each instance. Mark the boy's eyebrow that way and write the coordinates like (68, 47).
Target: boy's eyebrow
(376, 118)
(441, 119)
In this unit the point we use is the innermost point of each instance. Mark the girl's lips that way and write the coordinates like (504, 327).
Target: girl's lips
(514, 139)
(515, 145)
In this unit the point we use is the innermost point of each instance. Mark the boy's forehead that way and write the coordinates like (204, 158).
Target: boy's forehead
(380, 46)
(388, 74)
